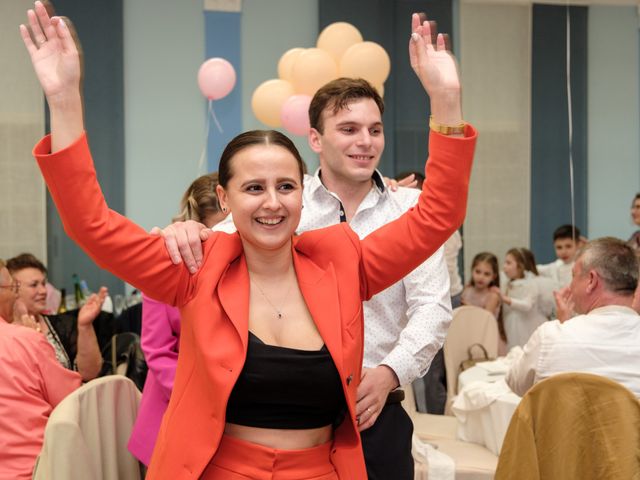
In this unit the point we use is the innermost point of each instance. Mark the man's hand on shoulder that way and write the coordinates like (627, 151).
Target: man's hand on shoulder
(183, 241)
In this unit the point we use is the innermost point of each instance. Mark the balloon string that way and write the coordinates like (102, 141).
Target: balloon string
(203, 154)
(213, 115)
(570, 124)
(210, 114)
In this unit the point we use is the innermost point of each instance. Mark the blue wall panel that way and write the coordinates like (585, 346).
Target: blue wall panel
(222, 39)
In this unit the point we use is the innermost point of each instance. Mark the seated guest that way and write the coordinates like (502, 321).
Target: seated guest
(604, 338)
(32, 383)
(75, 344)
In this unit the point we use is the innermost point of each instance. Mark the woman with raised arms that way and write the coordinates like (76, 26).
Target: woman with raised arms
(272, 334)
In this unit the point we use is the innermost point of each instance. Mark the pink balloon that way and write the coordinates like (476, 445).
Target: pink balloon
(216, 78)
(295, 114)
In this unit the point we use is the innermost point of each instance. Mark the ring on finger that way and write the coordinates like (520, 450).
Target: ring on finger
(42, 42)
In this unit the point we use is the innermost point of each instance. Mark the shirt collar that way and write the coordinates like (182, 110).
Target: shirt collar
(313, 183)
(622, 309)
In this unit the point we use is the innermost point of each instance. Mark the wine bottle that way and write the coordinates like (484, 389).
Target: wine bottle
(63, 301)
(85, 289)
(80, 298)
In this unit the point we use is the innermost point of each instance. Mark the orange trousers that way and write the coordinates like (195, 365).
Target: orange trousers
(238, 459)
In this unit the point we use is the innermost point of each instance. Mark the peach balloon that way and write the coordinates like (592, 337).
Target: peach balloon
(312, 69)
(337, 38)
(366, 60)
(285, 64)
(267, 101)
(379, 89)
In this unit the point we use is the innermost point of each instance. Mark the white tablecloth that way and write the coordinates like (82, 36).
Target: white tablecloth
(485, 404)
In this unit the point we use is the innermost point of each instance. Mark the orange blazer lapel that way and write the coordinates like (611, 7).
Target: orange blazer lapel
(233, 291)
(320, 291)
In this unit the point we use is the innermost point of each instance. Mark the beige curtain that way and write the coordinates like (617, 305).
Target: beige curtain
(22, 193)
(495, 51)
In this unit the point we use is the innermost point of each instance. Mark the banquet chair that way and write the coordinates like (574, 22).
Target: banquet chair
(573, 426)
(472, 461)
(426, 425)
(87, 433)
(470, 325)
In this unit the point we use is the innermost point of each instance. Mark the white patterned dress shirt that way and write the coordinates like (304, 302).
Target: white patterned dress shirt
(406, 324)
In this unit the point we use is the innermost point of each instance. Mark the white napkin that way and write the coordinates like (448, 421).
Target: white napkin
(494, 367)
(440, 465)
(478, 395)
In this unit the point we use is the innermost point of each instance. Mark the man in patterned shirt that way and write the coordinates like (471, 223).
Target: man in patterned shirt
(405, 325)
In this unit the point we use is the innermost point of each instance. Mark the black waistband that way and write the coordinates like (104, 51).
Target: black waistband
(395, 396)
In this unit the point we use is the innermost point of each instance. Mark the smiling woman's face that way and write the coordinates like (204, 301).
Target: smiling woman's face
(264, 194)
(33, 289)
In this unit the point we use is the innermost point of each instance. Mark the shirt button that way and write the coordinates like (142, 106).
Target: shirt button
(341, 213)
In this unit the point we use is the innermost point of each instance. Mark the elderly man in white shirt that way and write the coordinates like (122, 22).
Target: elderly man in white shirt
(604, 338)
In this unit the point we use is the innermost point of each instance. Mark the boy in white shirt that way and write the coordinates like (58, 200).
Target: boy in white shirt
(566, 240)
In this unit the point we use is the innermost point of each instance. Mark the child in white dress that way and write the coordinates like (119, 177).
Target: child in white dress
(521, 299)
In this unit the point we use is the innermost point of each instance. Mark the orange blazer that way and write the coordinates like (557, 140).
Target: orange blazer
(336, 272)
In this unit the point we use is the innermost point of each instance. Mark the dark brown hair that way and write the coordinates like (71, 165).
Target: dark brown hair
(492, 260)
(566, 231)
(337, 95)
(25, 260)
(250, 139)
(200, 200)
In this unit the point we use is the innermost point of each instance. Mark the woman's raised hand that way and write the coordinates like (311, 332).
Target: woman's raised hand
(437, 70)
(54, 54)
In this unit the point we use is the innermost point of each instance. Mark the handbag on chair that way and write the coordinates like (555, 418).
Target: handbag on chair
(472, 360)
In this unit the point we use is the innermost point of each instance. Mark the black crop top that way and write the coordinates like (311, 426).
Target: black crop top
(282, 387)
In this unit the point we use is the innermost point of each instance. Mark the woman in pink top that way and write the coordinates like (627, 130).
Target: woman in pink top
(161, 329)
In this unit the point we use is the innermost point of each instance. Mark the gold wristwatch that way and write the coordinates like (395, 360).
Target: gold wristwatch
(445, 129)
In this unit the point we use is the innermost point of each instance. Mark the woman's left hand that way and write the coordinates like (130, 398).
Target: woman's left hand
(91, 309)
(54, 54)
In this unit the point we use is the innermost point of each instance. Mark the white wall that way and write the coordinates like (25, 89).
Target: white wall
(495, 44)
(22, 191)
(614, 119)
(164, 110)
